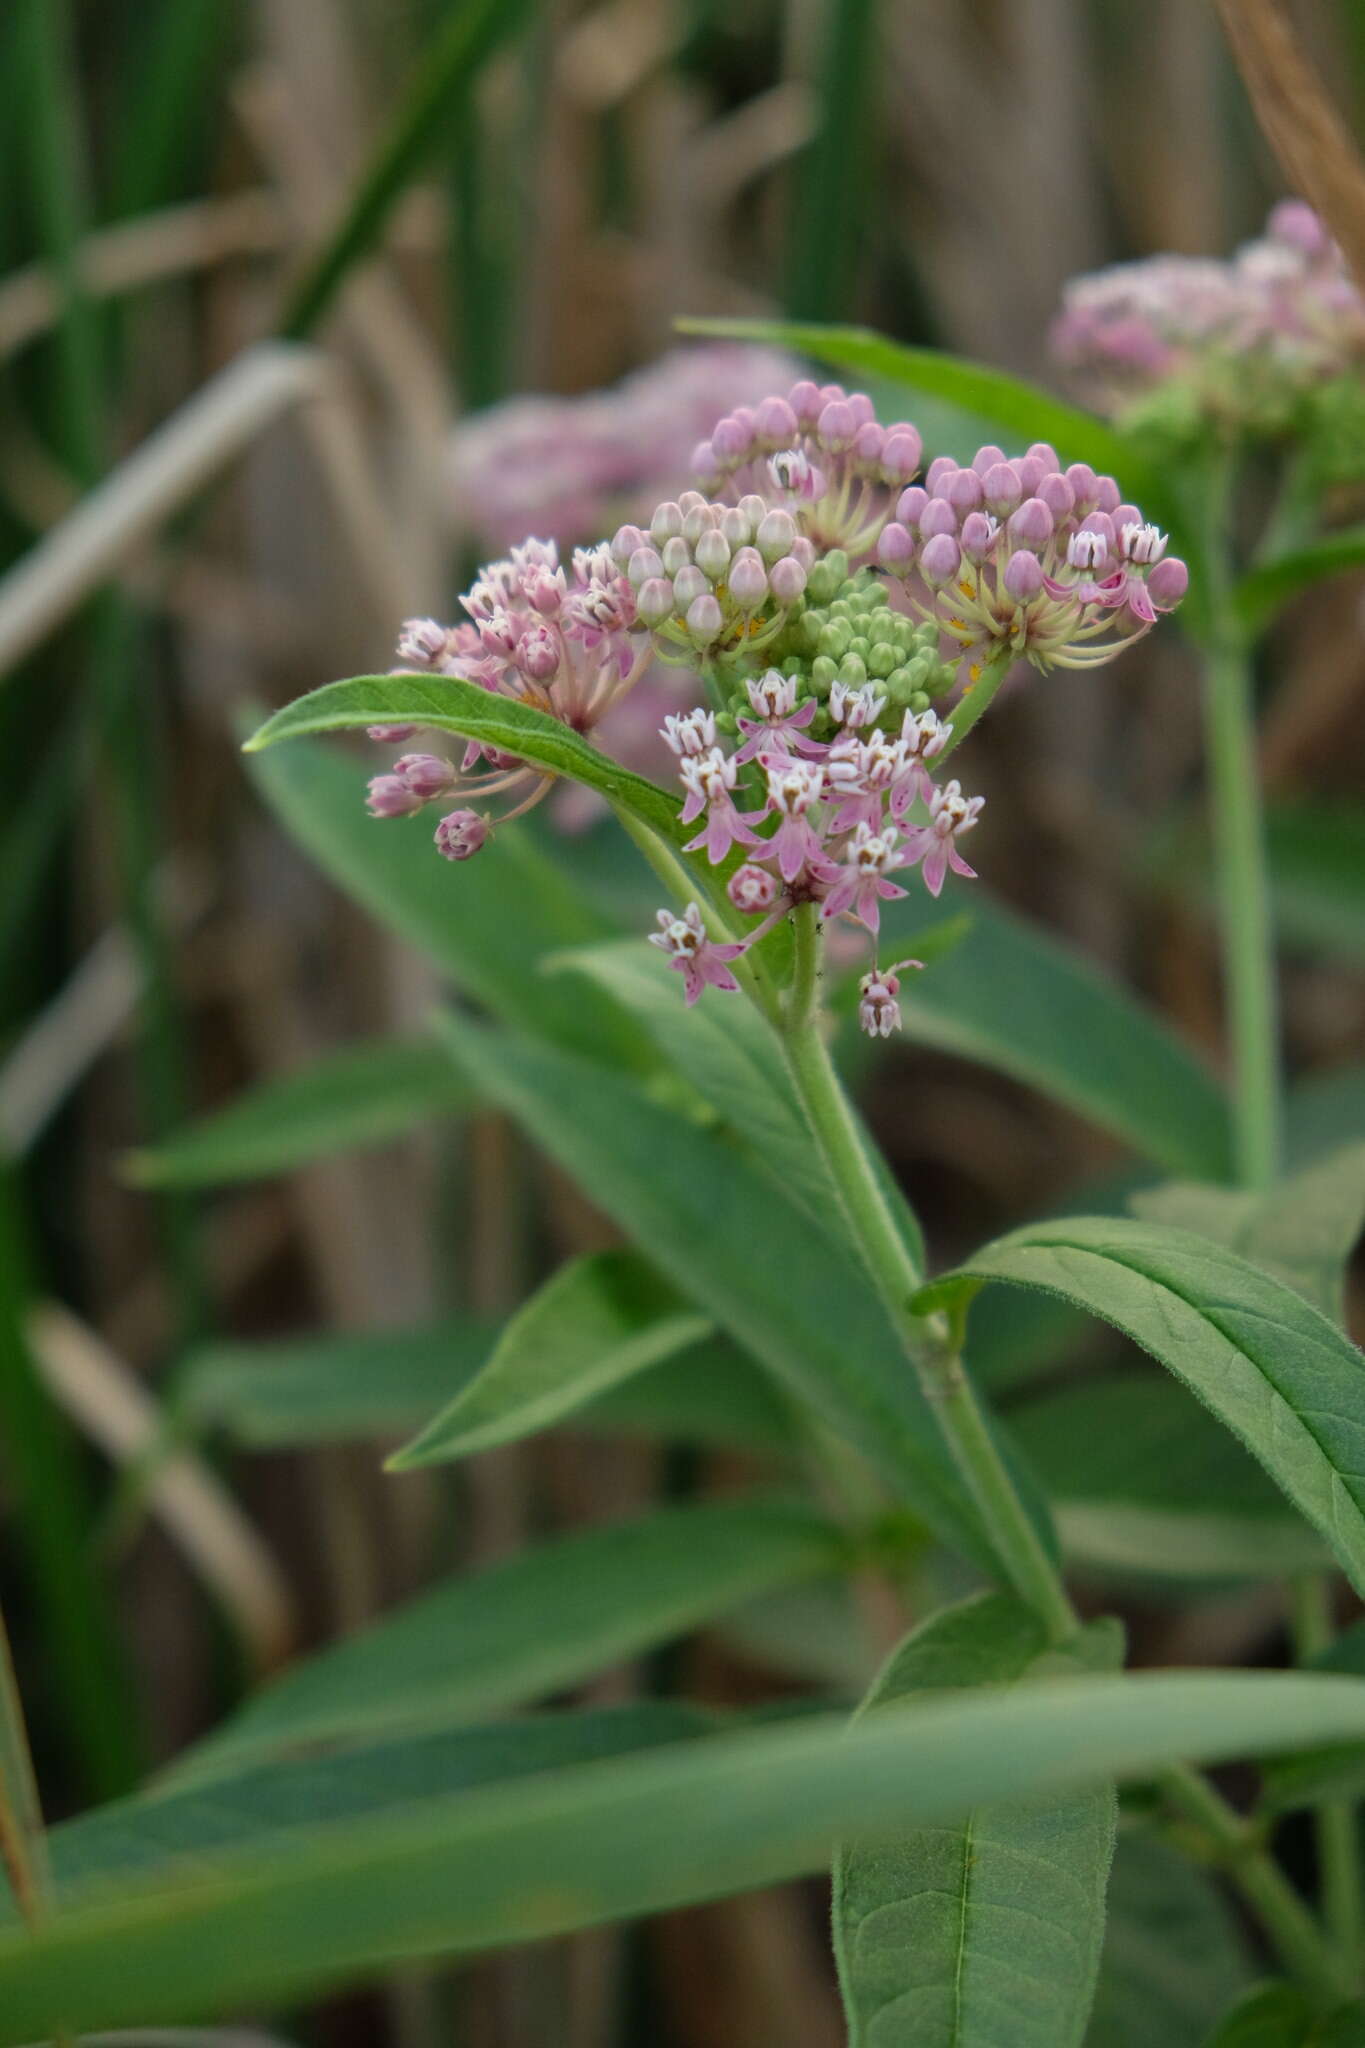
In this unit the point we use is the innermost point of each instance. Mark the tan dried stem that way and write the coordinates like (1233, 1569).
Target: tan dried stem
(1297, 116)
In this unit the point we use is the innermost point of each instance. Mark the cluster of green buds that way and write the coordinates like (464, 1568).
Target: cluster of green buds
(848, 634)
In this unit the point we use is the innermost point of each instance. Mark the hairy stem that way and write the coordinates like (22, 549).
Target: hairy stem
(1236, 1846)
(1013, 1537)
(976, 700)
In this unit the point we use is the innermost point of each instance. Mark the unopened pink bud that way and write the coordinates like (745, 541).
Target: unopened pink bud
(752, 889)
(706, 466)
(735, 526)
(1045, 453)
(1295, 224)
(1023, 576)
(963, 491)
(938, 516)
(731, 440)
(1168, 582)
(1107, 496)
(689, 583)
(388, 796)
(390, 735)
(861, 407)
(1057, 494)
(644, 563)
(1031, 473)
(1082, 480)
(460, 834)
(836, 426)
(667, 521)
(625, 542)
(1002, 487)
(712, 554)
(676, 555)
(748, 580)
(895, 548)
(979, 533)
(537, 655)
(941, 467)
(806, 402)
(1031, 525)
(704, 620)
(426, 775)
(901, 452)
(987, 457)
(868, 443)
(941, 559)
(910, 506)
(1126, 515)
(654, 601)
(775, 424)
(776, 532)
(787, 579)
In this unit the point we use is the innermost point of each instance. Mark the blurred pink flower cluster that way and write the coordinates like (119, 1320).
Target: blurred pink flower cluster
(1280, 314)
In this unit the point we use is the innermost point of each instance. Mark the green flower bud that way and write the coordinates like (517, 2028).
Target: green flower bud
(881, 659)
(853, 671)
(919, 702)
(822, 674)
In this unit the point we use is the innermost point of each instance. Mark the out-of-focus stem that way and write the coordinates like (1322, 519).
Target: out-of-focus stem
(1335, 1825)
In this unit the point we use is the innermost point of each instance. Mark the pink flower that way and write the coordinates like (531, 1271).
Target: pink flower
(950, 815)
(702, 962)
(862, 885)
(773, 697)
(793, 786)
(879, 1014)
(709, 779)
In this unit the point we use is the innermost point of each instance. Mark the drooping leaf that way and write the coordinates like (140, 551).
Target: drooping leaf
(446, 704)
(1065, 1030)
(732, 1241)
(1019, 412)
(732, 1057)
(1174, 1955)
(619, 1838)
(316, 1390)
(1269, 1365)
(527, 1627)
(1302, 1232)
(597, 1322)
(1147, 1484)
(985, 1934)
(1264, 589)
(362, 1096)
(489, 925)
(1316, 853)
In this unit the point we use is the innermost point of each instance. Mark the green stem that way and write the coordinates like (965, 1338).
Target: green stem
(936, 1361)
(976, 700)
(1237, 1847)
(1239, 857)
(1338, 1839)
(23, 1846)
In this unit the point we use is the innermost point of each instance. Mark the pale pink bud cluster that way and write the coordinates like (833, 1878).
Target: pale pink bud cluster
(576, 466)
(1281, 313)
(706, 576)
(821, 453)
(1026, 558)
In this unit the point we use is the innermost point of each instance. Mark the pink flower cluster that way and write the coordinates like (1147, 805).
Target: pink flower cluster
(842, 817)
(573, 467)
(1281, 312)
(1029, 559)
(561, 643)
(823, 453)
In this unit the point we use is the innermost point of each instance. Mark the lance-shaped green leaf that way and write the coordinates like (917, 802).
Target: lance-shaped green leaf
(264, 1803)
(315, 1390)
(1174, 1955)
(733, 1058)
(1020, 411)
(446, 704)
(1065, 1030)
(986, 1934)
(599, 1321)
(619, 1838)
(1146, 1485)
(728, 1238)
(489, 926)
(1269, 1365)
(1264, 589)
(1302, 1232)
(343, 1101)
(527, 1627)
